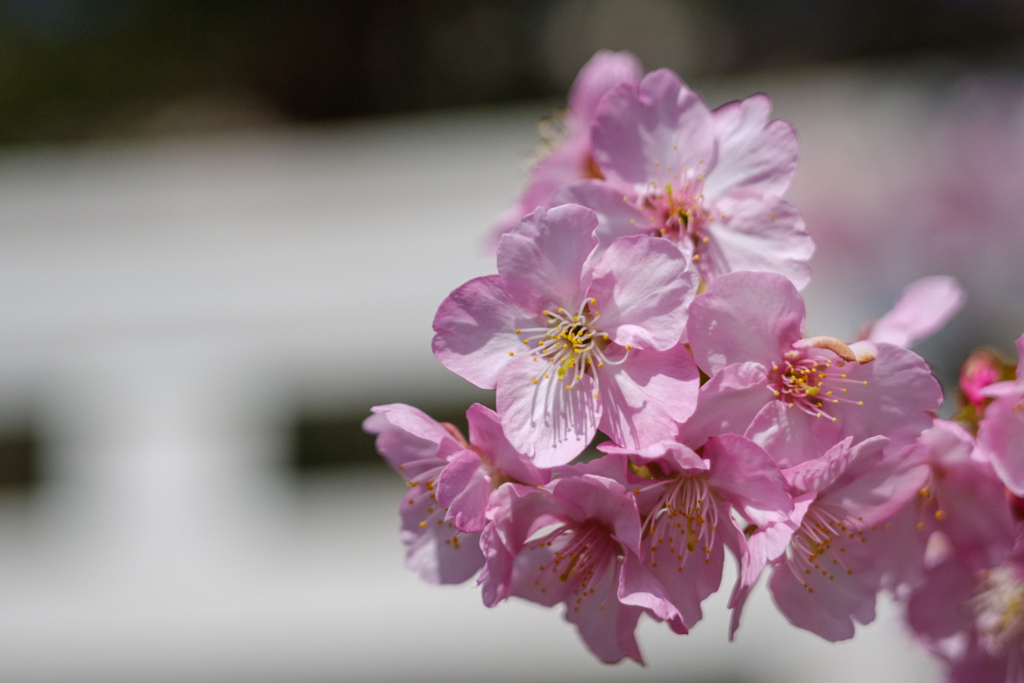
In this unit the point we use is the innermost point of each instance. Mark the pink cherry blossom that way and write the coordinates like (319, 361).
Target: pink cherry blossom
(572, 346)
(973, 618)
(568, 158)
(450, 484)
(770, 383)
(962, 499)
(924, 308)
(1001, 430)
(711, 182)
(690, 520)
(566, 544)
(828, 577)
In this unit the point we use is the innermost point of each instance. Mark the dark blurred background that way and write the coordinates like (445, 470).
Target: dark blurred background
(73, 69)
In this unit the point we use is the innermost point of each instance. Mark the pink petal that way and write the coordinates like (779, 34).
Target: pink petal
(1000, 439)
(546, 421)
(464, 488)
(475, 329)
(599, 75)
(766, 545)
(496, 579)
(752, 153)
(727, 403)
(591, 497)
(760, 232)
(824, 472)
(671, 456)
(605, 624)
(832, 607)
(675, 587)
(899, 396)
(639, 134)
(616, 215)
(743, 474)
(543, 262)
(936, 609)
(407, 435)
(486, 433)
(430, 547)
(791, 436)
(976, 518)
(744, 317)
(646, 396)
(874, 490)
(923, 309)
(534, 580)
(642, 289)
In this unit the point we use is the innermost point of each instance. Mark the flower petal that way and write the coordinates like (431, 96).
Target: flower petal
(546, 421)
(464, 488)
(616, 215)
(475, 330)
(1000, 435)
(743, 474)
(924, 308)
(642, 289)
(646, 396)
(642, 134)
(543, 262)
(744, 317)
(486, 433)
(601, 73)
(760, 232)
(791, 436)
(434, 548)
(752, 153)
(727, 403)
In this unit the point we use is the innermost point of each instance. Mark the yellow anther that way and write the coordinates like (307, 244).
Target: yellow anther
(511, 354)
(696, 257)
(423, 525)
(534, 381)
(860, 403)
(940, 515)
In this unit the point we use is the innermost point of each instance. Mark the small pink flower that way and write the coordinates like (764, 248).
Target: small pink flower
(573, 346)
(973, 618)
(451, 483)
(962, 499)
(711, 182)
(691, 520)
(803, 395)
(566, 544)
(569, 157)
(982, 368)
(828, 577)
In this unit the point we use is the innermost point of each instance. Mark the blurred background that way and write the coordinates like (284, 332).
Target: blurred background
(225, 228)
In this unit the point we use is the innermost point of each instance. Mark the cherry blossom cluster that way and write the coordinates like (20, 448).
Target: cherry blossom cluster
(647, 288)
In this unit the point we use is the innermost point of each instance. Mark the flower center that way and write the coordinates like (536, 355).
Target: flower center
(999, 609)
(811, 384)
(819, 545)
(584, 555)
(684, 520)
(571, 344)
